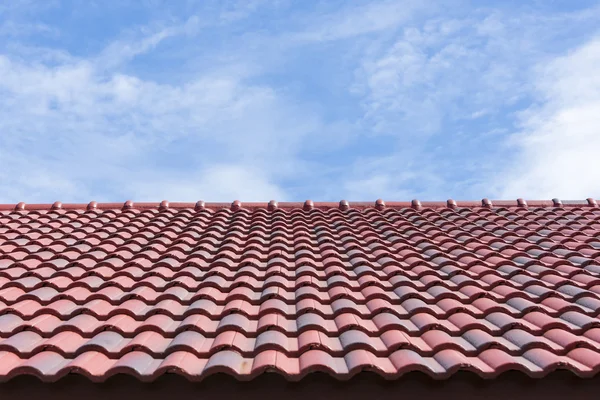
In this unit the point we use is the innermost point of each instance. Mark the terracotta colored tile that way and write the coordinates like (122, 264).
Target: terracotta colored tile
(355, 339)
(558, 304)
(12, 294)
(317, 360)
(137, 362)
(359, 360)
(183, 363)
(236, 322)
(567, 340)
(157, 322)
(409, 360)
(482, 340)
(278, 341)
(22, 342)
(461, 321)
(190, 341)
(439, 340)
(501, 361)
(107, 342)
(452, 360)
(580, 320)
(229, 361)
(593, 334)
(46, 363)
(543, 358)
(66, 343)
(121, 323)
(525, 340)
(390, 289)
(8, 362)
(586, 357)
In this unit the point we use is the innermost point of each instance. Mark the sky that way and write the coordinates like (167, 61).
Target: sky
(292, 100)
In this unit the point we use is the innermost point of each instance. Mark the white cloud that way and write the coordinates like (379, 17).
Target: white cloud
(457, 65)
(224, 182)
(444, 90)
(376, 185)
(439, 71)
(400, 176)
(12, 28)
(26, 6)
(558, 146)
(239, 9)
(349, 22)
(122, 51)
(74, 130)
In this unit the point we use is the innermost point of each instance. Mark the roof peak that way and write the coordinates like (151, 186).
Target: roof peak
(306, 205)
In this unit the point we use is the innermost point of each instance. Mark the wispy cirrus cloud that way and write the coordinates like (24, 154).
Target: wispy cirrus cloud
(122, 51)
(340, 23)
(11, 28)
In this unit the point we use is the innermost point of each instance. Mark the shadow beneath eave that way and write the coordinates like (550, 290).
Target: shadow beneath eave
(365, 386)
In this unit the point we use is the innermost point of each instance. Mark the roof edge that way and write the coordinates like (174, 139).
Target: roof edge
(307, 205)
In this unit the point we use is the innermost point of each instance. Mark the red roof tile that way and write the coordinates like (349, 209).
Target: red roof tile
(201, 288)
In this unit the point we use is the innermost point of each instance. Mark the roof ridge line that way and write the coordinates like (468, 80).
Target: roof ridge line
(307, 205)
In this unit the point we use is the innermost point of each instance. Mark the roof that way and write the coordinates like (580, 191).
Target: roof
(201, 288)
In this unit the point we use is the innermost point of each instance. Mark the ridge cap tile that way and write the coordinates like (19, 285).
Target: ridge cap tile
(272, 205)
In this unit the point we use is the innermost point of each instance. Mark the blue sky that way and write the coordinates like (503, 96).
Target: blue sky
(290, 100)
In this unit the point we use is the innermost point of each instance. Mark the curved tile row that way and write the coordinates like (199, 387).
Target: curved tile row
(185, 244)
(515, 342)
(187, 290)
(237, 236)
(315, 248)
(540, 216)
(372, 247)
(350, 275)
(288, 231)
(389, 279)
(495, 323)
(209, 237)
(319, 256)
(263, 235)
(133, 303)
(386, 277)
(50, 366)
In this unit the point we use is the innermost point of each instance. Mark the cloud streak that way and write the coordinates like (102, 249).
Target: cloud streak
(366, 18)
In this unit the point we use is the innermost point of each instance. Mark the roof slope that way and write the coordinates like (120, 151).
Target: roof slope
(195, 289)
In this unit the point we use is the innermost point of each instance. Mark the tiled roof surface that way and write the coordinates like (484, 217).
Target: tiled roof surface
(194, 289)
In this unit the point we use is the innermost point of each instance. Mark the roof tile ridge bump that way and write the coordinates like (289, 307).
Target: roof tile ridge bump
(307, 205)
